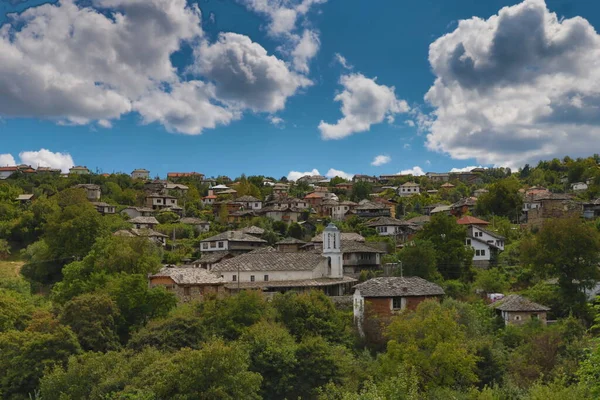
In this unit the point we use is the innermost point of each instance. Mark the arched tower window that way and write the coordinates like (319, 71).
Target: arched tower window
(328, 265)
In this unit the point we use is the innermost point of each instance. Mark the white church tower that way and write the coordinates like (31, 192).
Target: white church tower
(332, 250)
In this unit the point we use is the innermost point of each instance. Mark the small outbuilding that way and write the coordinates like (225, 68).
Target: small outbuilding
(518, 310)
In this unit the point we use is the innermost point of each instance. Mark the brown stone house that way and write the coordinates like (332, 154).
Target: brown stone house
(289, 245)
(518, 310)
(188, 283)
(553, 206)
(381, 298)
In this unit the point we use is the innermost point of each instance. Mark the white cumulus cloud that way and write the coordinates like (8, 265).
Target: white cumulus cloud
(295, 175)
(465, 169)
(245, 76)
(414, 171)
(515, 87)
(7, 160)
(332, 173)
(381, 160)
(47, 158)
(306, 48)
(364, 103)
(342, 60)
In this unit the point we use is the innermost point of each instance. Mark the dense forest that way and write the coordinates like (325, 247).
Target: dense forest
(79, 321)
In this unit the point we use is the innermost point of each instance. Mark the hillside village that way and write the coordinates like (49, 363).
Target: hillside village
(509, 251)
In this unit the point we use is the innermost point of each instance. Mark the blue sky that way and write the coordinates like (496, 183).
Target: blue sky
(506, 100)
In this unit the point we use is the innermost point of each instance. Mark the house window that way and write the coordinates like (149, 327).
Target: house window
(220, 245)
(255, 205)
(477, 252)
(482, 253)
(251, 278)
(266, 278)
(397, 303)
(517, 317)
(205, 245)
(234, 278)
(469, 242)
(213, 245)
(187, 291)
(158, 201)
(172, 201)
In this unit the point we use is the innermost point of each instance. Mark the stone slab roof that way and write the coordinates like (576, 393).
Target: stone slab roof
(212, 257)
(290, 240)
(387, 221)
(320, 282)
(189, 276)
(193, 221)
(269, 259)
(394, 286)
(247, 199)
(144, 220)
(253, 230)
(350, 246)
(234, 236)
(345, 236)
(514, 302)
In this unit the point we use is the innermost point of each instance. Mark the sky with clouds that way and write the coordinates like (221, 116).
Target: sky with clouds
(288, 87)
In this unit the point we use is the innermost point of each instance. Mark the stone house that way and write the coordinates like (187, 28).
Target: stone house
(386, 226)
(408, 189)
(79, 170)
(92, 191)
(133, 212)
(285, 213)
(199, 225)
(365, 178)
(553, 206)
(140, 173)
(517, 310)
(383, 297)
(438, 177)
(144, 222)
(188, 283)
(104, 208)
(289, 245)
(158, 201)
(370, 209)
(357, 256)
(209, 259)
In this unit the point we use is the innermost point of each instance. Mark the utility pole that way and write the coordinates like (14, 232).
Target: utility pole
(238, 277)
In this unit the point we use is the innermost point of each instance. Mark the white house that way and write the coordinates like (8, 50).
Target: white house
(579, 186)
(275, 271)
(342, 209)
(232, 241)
(408, 189)
(484, 243)
(104, 208)
(5, 172)
(249, 202)
(140, 173)
(386, 226)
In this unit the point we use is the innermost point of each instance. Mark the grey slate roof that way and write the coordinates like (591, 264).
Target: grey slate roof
(193, 221)
(387, 221)
(211, 257)
(290, 240)
(247, 199)
(24, 197)
(144, 220)
(189, 276)
(394, 286)
(234, 236)
(370, 205)
(318, 282)
(514, 302)
(268, 259)
(253, 230)
(148, 233)
(350, 246)
(345, 236)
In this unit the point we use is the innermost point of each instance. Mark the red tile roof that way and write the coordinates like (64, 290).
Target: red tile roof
(469, 220)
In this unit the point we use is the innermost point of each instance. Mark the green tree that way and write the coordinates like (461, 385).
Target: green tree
(419, 259)
(92, 317)
(320, 363)
(453, 258)
(361, 191)
(503, 198)
(272, 353)
(4, 249)
(217, 371)
(16, 310)
(295, 231)
(568, 250)
(432, 342)
(310, 313)
(24, 355)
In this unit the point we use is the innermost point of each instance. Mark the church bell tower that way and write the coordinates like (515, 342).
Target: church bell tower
(332, 251)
